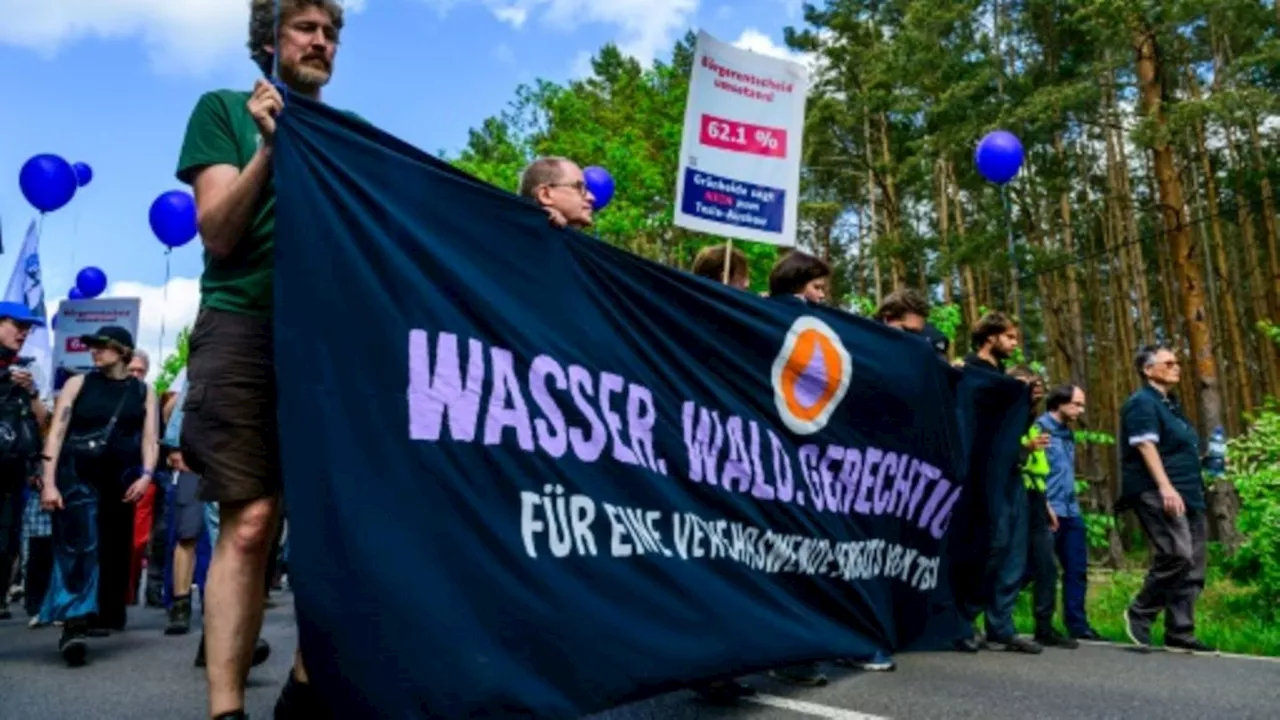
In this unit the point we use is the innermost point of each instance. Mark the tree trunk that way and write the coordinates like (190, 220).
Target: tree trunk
(1270, 374)
(1268, 218)
(1077, 360)
(1190, 277)
(940, 178)
(1221, 267)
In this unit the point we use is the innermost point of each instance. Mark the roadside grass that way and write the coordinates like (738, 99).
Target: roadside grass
(1227, 614)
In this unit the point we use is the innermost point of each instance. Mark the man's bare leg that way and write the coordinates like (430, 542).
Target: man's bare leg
(184, 567)
(234, 599)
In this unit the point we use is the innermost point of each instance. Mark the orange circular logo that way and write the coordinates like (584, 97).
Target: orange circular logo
(810, 375)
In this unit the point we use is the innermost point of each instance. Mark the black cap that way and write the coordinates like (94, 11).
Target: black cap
(935, 338)
(109, 334)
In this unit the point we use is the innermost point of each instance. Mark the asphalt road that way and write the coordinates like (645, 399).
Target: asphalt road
(141, 674)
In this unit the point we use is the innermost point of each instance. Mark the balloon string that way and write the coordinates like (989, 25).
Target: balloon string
(75, 232)
(275, 56)
(164, 306)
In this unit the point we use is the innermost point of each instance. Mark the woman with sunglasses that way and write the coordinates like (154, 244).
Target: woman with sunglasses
(104, 423)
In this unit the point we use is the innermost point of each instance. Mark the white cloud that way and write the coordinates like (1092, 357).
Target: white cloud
(646, 28)
(756, 41)
(513, 16)
(180, 35)
(174, 306)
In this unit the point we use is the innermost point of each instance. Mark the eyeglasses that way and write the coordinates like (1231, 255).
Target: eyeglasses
(580, 186)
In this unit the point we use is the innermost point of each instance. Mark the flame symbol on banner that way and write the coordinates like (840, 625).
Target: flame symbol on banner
(810, 375)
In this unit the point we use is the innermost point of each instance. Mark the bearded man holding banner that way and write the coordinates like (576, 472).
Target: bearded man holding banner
(229, 433)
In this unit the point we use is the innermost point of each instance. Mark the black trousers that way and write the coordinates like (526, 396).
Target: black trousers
(157, 557)
(1042, 567)
(1176, 577)
(11, 507)
(39, 570)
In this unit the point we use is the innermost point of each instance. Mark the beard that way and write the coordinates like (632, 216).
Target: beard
(307, 76)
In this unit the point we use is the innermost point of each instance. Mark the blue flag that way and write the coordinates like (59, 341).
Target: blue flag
(530, 474)
(26, 287)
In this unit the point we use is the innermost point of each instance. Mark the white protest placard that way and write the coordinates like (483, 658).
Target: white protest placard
(83, 317)
(739, 173)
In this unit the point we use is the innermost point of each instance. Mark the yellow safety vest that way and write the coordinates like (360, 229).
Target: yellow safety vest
(1036, 470)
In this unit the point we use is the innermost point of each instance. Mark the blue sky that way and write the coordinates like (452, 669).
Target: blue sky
(111, 83)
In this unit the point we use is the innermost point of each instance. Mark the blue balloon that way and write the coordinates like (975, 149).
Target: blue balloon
(75, 294)
(600, 183)
(84, 173)
(53, 324)
(91, 282)
(999, 156)
(173, 218)
(48, 182)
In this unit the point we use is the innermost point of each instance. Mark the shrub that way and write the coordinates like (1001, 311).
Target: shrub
(1253, 464)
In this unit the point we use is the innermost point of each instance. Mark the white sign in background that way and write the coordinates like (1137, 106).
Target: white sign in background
(739, 173)
(84, 317)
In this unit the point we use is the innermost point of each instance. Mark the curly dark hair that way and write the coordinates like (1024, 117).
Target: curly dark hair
(262, 24)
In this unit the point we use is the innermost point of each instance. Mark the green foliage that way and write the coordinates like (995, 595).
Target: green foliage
(1253, 465)
(859, 305)
(1098, 528)
(1226, 615)
(1094, 437)
(174, 364)
(947, 318)
(1270, 331)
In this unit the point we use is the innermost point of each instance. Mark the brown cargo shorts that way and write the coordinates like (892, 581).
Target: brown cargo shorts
(230, 436)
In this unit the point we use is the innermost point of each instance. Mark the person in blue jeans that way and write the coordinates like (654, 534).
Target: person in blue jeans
(1063, 408)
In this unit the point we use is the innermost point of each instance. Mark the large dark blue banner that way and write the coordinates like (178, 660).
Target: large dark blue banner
(531, 474)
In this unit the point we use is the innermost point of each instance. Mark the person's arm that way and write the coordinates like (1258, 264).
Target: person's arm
(50, 498)
(225, 193)
(1141, 428)
(150, 449)
(225, 200)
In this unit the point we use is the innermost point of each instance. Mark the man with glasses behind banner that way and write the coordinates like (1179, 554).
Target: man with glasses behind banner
(1162, 484)
(558, 186)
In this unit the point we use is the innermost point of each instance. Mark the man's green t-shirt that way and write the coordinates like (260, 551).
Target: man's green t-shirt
(222, 132)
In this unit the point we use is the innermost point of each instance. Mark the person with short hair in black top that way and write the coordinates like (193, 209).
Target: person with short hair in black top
(104, 423)
(21, 415)
(992, 342)
(799, 277)
(1162, 484)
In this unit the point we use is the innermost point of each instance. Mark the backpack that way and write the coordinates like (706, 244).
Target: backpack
(19, 432)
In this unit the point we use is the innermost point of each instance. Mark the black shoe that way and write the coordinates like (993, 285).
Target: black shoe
(1190, 646)
(806, 675)
(72, 646)
(1088, 634)
(1018, 644)
(724, 692)
(235, 715)
(1053, 638)
(155, 599)
(97, 632)
(1138, 630)
(878, 661)
(179, 617)
(970, 643)
(261, 651)
(299, 701)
